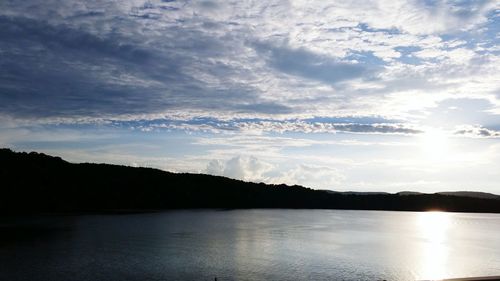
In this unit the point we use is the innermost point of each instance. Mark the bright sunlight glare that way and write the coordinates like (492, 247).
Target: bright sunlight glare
(435, 145)
(433, 228)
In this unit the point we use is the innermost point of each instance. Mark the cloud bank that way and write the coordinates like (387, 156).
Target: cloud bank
(132, 60)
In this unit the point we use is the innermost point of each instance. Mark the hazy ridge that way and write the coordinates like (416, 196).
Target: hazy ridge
(35, 182)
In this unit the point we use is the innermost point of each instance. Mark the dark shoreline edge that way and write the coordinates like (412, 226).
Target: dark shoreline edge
(37, 183)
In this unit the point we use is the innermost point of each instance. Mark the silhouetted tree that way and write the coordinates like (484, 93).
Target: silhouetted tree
(35, 182)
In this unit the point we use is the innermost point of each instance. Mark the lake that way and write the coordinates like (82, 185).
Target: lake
(250, 245)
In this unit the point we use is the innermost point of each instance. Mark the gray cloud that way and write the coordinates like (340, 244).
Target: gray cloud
(477, 131)
(300, 126)
(309, 65)
(61, 71)
(318, 127)
(150, 59)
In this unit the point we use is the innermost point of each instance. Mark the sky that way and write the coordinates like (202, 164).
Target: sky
(368, 95)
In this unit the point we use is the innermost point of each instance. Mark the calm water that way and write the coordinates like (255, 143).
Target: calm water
(251, 245)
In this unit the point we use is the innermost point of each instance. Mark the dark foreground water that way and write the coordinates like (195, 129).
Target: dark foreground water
(251, 245)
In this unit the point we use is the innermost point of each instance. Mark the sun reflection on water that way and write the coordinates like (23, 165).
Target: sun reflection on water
(433, 229)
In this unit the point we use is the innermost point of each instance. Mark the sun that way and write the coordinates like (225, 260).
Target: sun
(434, 144)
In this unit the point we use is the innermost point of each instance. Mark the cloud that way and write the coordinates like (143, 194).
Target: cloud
(312, 176)
(249, 168)
(280, 60)
(477, 131)
(215, 167)
(418, 17)
(245, 168)
(258, 126)
(317, 127)
(63, 71)
(60, 71)
(309, 65)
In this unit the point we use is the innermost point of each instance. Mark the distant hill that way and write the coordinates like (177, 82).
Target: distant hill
(473, 194)
(405, 193)
(35, 182)
(357, 192)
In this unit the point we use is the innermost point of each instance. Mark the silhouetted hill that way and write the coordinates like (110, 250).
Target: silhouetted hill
(34, 182)
(473, 194)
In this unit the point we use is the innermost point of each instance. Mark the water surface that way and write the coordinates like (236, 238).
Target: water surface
(251, 245)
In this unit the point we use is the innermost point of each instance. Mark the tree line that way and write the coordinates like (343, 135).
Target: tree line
(35, 182)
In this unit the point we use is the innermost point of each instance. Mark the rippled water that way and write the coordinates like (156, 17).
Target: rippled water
(251, 245)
